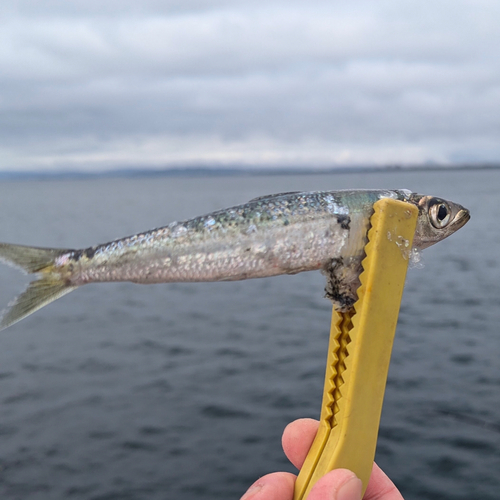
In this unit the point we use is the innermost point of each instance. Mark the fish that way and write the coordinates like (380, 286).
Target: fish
(285, 233)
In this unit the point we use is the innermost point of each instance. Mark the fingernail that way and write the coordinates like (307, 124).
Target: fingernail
(350, 490)
(253, 490)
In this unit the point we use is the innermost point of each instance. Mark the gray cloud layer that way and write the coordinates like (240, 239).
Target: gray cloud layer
(93, 85)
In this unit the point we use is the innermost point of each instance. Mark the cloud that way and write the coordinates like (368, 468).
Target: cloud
(93, 85)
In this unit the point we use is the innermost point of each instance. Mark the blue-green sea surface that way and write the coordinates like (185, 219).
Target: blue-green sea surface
(128, 392)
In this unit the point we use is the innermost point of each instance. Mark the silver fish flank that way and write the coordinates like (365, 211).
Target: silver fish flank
(286, 233)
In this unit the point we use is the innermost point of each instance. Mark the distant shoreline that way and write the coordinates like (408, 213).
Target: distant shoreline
(229, 171)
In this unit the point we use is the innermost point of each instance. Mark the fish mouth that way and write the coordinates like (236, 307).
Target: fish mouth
(461, 218)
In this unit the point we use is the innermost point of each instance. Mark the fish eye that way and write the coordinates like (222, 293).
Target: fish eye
(439, 214)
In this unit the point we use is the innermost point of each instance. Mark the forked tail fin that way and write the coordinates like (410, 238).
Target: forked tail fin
(48, 287)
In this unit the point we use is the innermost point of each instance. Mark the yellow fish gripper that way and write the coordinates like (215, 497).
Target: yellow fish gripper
(359, 352)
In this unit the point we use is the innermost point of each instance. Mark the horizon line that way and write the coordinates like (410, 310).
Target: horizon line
(209, 171)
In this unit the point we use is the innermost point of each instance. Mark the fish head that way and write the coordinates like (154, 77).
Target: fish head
(437, 219)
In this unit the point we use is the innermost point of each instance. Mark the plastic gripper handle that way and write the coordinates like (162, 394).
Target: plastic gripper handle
(359, 352)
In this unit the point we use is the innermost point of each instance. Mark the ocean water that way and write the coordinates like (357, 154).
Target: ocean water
(121, 391)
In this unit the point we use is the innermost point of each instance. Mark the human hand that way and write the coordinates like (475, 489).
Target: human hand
(339, 484)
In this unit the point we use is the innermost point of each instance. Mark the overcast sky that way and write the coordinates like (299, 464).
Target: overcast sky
(89, 85)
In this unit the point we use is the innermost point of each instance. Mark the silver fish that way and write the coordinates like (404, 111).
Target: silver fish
(285, 233)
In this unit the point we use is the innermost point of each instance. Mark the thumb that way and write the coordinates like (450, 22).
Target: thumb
(338, 484)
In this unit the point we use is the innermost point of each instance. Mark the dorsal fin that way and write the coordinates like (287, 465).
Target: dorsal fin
(266, 196)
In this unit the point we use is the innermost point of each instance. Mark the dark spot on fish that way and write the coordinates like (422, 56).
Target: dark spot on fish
(336, 289)
(344, 221)
(332, 289)
(76, 255)
(89, 252)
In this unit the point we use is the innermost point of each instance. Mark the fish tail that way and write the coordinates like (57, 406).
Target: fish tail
(50, 285)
